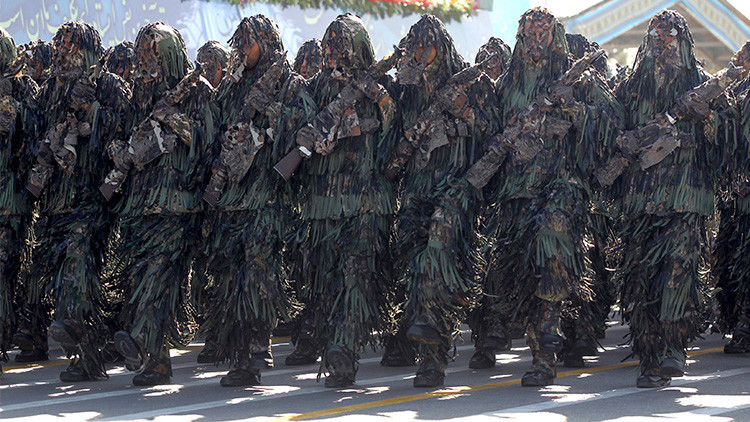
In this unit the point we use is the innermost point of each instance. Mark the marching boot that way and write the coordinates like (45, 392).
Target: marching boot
(652, 378)
(341, 365)
(158, 371)
(33, 349)
(76, 372)
(398, 352)
(305, 353)
(68, 333)
(483, 358)
(431, 372)
(672, 367)
(740, 342)
(209, 352)
(128, 347)
(241, 374)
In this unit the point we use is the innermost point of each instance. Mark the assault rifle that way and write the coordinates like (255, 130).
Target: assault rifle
(338, 119)
(524, 137)
(243, 140)
(654, 141)
(154, 136)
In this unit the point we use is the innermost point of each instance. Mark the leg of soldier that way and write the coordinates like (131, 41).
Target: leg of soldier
(360, 285)
(35, 313)
(78, 325)
(159, 253)
(734, 281)
(11, 247)
(545, 341)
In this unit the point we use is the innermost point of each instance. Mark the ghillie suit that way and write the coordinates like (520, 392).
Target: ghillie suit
(536, 217)
(664, 207)
(262, 106)
(309, 59)
(730, 269)
(346, 204)
(489, 334)
(214, 58)
(436, 241)
(120, 60)
(161, 172)
(37, 59)
(581, 323)
(18, 125)
(71, 230)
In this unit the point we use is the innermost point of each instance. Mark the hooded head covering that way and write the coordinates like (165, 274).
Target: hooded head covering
(214, 56)
(160, 54)
(347, 46)
(37, 57)
(77, 46)
(309, 59)
(496, 46)
(742, 56)
(255, 29)
(429, 54)
(539, 57)
(8, 52)
(120, 60)
(665, 68)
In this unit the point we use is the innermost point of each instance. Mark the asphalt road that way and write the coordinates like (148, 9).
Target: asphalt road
(715, 388)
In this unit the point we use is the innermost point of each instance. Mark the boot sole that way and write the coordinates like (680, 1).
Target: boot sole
(61, 333)
(129, 349)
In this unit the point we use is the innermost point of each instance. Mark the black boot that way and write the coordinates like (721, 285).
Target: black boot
(739, 344)
(158, 371)
(305, 353)
(67, 333)
(430, 373)
(652, 379)
(110, 353)
(75, 372)
(671, 367)
(341, 364)
(238, 377)
(482, 359)
(398, 352)
(209, 352)
(130, 349)
(32, 349)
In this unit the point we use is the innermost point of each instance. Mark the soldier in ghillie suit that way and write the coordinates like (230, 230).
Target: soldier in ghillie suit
(346, 203)
(262, 104)
(490, 335)
(214, 58)
(37, 59)
(18, 125)
(71, 230)
(665, 203)
(163, 168)
(309, 59)
(436, 240)
(730, 268)
(307, 63)
(583, 323)
(537, 203)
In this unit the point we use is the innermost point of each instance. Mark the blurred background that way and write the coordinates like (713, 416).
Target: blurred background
(719, 27)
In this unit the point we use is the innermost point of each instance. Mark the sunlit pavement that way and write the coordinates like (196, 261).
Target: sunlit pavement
(715, 387)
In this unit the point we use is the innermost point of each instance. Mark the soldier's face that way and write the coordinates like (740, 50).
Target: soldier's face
(147, 67)
(213, 70)
(537, 37)
(742, 58)
(410, 67)
(250, 54)
(663, 39)
(337, 51)
(67, 45)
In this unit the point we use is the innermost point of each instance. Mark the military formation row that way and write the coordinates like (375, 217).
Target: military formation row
(145, 199)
